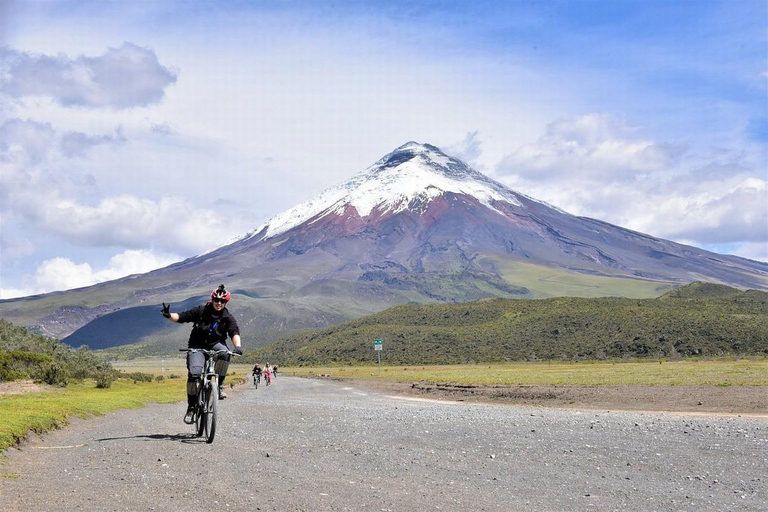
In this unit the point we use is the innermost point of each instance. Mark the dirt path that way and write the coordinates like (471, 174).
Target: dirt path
(320, 445)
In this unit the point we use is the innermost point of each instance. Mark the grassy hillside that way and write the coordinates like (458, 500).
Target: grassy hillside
(697, 320)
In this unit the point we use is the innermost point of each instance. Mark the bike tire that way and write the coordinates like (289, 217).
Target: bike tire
(212, 409)
(200, 414)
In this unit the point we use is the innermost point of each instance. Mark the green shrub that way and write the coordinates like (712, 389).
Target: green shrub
(104, 379)
(54, 374)
(137, 376)
(19, 364)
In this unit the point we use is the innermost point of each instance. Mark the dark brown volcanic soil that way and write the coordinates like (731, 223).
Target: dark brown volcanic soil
(695, 399)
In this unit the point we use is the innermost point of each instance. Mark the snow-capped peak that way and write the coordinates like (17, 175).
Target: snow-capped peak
(412, 171)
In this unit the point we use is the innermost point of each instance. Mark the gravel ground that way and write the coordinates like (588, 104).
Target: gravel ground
(321, 445)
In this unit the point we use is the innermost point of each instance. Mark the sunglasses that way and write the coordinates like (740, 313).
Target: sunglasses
(220, 301)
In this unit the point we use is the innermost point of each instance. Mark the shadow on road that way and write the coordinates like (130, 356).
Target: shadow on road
(184, 438)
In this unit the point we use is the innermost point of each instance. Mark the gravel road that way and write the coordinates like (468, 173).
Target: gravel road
(318, 445)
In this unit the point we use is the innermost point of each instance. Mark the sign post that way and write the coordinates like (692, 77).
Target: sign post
(377, 343)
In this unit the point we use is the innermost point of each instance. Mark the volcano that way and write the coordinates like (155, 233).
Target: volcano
(417, 226)
(418, 210)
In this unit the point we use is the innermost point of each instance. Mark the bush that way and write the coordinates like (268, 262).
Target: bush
(159, 378)
(104, 379)
(19, 364)
(54, 374)
(137, 376)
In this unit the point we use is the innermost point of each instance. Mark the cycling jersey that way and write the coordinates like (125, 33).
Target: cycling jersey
(209, 328)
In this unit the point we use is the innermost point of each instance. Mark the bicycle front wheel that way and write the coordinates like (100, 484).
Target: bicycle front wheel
(211, 408)
(200, 411)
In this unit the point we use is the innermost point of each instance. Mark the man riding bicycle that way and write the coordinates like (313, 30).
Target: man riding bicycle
(212, 323)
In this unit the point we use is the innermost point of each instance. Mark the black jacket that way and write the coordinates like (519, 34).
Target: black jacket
(209, 329)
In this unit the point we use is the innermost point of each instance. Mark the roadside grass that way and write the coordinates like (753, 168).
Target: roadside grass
(23, 413)
(752, 372)
(177, 366)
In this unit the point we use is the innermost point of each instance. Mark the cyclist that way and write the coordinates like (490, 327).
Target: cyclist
(268, 374)
(274, 372)
(212, 323)
(257, 372)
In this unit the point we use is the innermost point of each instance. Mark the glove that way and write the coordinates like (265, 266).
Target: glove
(166, 311)
(238, 351)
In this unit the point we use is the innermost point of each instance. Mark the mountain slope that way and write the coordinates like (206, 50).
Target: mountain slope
(417, 226)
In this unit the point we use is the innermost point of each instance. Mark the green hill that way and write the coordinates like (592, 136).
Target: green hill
(696, 320)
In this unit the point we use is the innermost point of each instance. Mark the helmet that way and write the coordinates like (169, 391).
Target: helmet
(221, 293)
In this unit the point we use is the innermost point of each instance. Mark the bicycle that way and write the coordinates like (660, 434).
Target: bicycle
(256, 380)
(207, 403)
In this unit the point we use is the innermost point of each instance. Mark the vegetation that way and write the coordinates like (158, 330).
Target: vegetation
(692, 372)
(86, 384)
(24, 355)
(698, 320)
(40, 412)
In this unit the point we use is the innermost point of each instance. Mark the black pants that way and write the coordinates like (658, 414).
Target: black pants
(195, 365)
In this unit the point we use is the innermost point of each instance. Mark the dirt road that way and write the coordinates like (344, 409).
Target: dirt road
(321, 445)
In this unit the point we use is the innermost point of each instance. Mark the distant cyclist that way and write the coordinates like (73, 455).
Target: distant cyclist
(267, 374)
(256, 373)
(212, 323)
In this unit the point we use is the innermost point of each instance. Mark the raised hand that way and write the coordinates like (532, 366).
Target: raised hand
(166, 311)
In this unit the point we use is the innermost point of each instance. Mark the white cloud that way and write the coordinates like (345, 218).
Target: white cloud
(43, 188)
(757, 251)
(77, 144)
(125, 77)
(468, 150)
(596, 166)
(593, 146)
(25, 143)
(129, 221)
(63, 274)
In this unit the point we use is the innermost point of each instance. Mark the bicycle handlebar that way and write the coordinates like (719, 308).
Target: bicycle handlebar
(210, 352)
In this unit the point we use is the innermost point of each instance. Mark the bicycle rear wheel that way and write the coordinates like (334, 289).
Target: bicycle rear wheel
(211, 407)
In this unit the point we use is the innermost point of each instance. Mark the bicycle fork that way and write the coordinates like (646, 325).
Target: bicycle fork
(205, 391)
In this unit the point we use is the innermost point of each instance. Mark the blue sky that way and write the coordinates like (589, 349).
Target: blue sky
(136, 134)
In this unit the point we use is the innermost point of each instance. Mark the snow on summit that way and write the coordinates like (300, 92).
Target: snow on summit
(412, 171)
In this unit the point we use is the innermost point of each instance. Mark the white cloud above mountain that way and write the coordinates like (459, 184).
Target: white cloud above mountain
(124, 77)
(597, 166)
